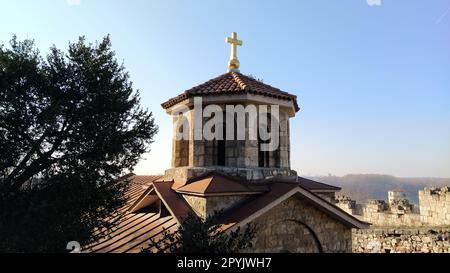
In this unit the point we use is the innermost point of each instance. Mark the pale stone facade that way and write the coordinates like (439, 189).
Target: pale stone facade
(295, 226)
(207, 206)
(192, 157)
(435, 206)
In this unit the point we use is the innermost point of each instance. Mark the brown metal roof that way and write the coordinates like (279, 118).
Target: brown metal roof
(232, 83)
(134, 230)
(316, 186)
(215, 183)
(255, 204)
(177, 206)
(279, 190)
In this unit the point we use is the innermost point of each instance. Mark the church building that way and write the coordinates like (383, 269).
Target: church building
(232, 174)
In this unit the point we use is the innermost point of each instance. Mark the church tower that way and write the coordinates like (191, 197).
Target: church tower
(243, 111)
(231, 159)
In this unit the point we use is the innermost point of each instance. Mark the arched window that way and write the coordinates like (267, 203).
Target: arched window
(220, 146)
(269, 159)
(182, 146)
(276, 155)
(264, 156)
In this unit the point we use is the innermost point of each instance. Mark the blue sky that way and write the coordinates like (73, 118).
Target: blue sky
(373, 82)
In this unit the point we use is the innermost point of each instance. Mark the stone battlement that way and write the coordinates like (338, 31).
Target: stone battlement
(433, 209)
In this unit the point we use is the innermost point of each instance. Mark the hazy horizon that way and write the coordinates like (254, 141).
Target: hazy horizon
(372, 81)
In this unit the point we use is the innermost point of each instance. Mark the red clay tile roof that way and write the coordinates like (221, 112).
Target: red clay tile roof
(217, 184)
(232, 83)
(316, 186)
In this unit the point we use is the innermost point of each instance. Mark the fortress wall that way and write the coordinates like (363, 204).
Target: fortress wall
(435, 206)
(398, 227)
(412, 240)
(386, 219)
(433, 211)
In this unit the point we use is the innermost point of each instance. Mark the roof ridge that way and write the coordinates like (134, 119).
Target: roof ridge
(256, 81)
(208, 82)
(232, 82)
(241, 83)
(210, 182)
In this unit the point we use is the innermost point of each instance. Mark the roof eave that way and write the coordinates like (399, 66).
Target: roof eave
(217, 194)
(323, 205)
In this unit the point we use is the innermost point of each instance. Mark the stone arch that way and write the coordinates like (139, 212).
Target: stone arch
(269, 159)
(233, 151)
(291, 236)
(313, 234)
(275, 156)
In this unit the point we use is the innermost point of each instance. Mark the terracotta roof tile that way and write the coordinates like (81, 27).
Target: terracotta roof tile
(232, 83)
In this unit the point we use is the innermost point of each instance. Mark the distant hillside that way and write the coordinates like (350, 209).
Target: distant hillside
(362, 187)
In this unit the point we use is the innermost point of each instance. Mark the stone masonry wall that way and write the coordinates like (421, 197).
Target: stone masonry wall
(378, 213)
(204, 207)
(285, 229)
(435, 206)
(388, 219)
(414, 240)
(193, 157)
(433, 210)
(182, 174)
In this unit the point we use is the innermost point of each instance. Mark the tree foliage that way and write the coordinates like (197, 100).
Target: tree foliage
(70, 125)
(197, 235)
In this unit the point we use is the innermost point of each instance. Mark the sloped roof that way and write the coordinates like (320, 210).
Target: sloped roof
(232, 83)
(316, 186)
(280, 191)
(218, 184)
(177, 206)
(134, 230)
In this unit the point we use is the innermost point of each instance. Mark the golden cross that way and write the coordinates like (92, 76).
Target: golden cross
(234, 62)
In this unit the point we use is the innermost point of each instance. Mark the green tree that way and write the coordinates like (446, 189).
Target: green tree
(197, 235)
(70, 125)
